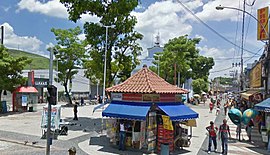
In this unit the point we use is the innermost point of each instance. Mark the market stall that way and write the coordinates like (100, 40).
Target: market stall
(151, 109)
(25, 99)
(264, 108)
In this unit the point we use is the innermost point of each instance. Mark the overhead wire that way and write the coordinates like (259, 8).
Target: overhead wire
(253, 55)
(221, 70)
(252, 4)
(210, 28)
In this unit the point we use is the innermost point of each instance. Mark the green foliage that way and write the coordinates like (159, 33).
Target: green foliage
(10, 74)
(38, 62)
(70, 52)
(182, 52)
(199, 85)
(122, 49)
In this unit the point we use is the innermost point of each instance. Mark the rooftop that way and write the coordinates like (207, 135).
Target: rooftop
(146, 81)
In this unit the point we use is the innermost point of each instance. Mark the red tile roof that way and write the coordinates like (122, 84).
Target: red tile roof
(146, 81)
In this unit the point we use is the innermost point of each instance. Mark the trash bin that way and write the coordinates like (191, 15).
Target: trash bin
(72, 151)
(164, 149)
(4, 106)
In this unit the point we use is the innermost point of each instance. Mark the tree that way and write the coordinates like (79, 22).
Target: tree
(122, 50)
(182, 52)
(70, 51)
(201, 66)
(199, 85)
(11, 72)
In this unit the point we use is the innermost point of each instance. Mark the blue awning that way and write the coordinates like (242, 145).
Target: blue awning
(179, 112)
(125, 111)
(263, 106)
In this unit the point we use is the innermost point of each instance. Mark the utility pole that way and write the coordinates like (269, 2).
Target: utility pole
(242, 49)
(48, 135)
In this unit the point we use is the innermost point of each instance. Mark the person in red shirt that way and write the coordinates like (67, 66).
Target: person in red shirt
(212, 130)
(211, 106)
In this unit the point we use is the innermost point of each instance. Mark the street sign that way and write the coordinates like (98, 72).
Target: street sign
(262, 24)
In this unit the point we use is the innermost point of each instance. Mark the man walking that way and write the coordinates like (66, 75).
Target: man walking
(212, 130)
(224, 134)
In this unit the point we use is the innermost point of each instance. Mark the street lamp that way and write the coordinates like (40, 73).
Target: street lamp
(105, 60)
(233, 8)
(105, 67)
(263, 27)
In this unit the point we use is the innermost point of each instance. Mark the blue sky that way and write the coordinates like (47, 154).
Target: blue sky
(28, 24)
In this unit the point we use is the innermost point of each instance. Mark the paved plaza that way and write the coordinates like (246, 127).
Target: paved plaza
(20, 133)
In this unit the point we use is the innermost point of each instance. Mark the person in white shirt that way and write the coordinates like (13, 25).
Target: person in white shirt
(122, 135)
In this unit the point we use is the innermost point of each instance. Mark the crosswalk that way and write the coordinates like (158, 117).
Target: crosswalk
(244, 147)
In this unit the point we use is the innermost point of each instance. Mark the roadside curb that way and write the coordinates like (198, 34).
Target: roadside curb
(22, 143)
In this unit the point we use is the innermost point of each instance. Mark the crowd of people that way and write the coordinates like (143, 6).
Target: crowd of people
(223, 132)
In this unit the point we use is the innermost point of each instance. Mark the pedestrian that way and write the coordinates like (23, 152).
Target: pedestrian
(224, 134)
(82, 101)
(122, 135)
(249, 129)
(218, 109)
(211, 106)
(75, 110)
(212, 130)
(237, 131)
(226, 108)
(259, 121)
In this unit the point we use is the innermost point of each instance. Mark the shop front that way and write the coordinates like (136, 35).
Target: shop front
(264, 108)
(148, 124)
(24, 99)
(151, 110)
(251, 97)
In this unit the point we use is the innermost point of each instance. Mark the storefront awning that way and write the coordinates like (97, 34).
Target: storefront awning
(125, 111)
(263, 106)
(247, 94)
(28, 89)
(179, 112)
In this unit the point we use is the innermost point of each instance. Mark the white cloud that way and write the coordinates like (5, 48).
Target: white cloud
(26, 43)
(52, 8)
(89, 18)
(200, 36)
(223, 65)
(164, 18)
(209, 11)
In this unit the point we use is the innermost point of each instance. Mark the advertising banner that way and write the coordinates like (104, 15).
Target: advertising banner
(256, 76)
(167, 123)
(142, 134)
(24, 100)
(262, 25)
(55, 117)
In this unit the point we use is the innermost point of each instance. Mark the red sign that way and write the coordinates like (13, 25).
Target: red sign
(132, 97)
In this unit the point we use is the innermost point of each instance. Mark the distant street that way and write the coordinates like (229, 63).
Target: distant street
(19, 131)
